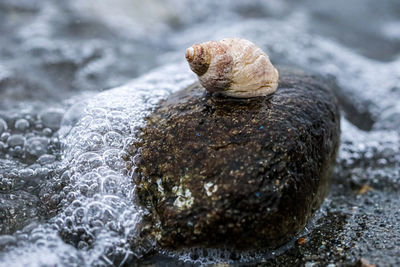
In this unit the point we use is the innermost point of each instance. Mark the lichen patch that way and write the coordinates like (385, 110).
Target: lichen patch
(184, 199)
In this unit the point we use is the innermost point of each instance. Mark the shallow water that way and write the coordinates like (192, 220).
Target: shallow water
(66, 197)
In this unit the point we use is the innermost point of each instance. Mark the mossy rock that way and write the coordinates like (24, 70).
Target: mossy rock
(239, 173)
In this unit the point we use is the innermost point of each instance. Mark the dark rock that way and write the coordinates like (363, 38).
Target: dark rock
(242, 173)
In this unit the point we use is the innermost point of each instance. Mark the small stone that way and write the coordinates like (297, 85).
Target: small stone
(364, 263)
(364, 189)
(301, 241)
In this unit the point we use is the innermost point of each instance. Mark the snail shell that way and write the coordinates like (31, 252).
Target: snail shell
(233, 67)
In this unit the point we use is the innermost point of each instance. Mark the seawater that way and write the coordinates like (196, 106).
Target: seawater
(66, 195)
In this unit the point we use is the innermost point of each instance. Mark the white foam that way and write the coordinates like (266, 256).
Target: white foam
(98, 202)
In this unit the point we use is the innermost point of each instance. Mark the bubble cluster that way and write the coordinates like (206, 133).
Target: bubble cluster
(27, 158)
(209, 256)
(91, 196)
(23, 136)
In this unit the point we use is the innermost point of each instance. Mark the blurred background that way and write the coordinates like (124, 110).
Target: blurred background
(54, 53)
(52, 49)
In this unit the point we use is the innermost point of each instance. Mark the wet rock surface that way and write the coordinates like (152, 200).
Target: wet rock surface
(218, 171)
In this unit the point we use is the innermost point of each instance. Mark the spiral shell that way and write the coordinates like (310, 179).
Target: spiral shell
(233, 67)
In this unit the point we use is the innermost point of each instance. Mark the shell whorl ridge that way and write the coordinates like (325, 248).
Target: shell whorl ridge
(233, 67)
